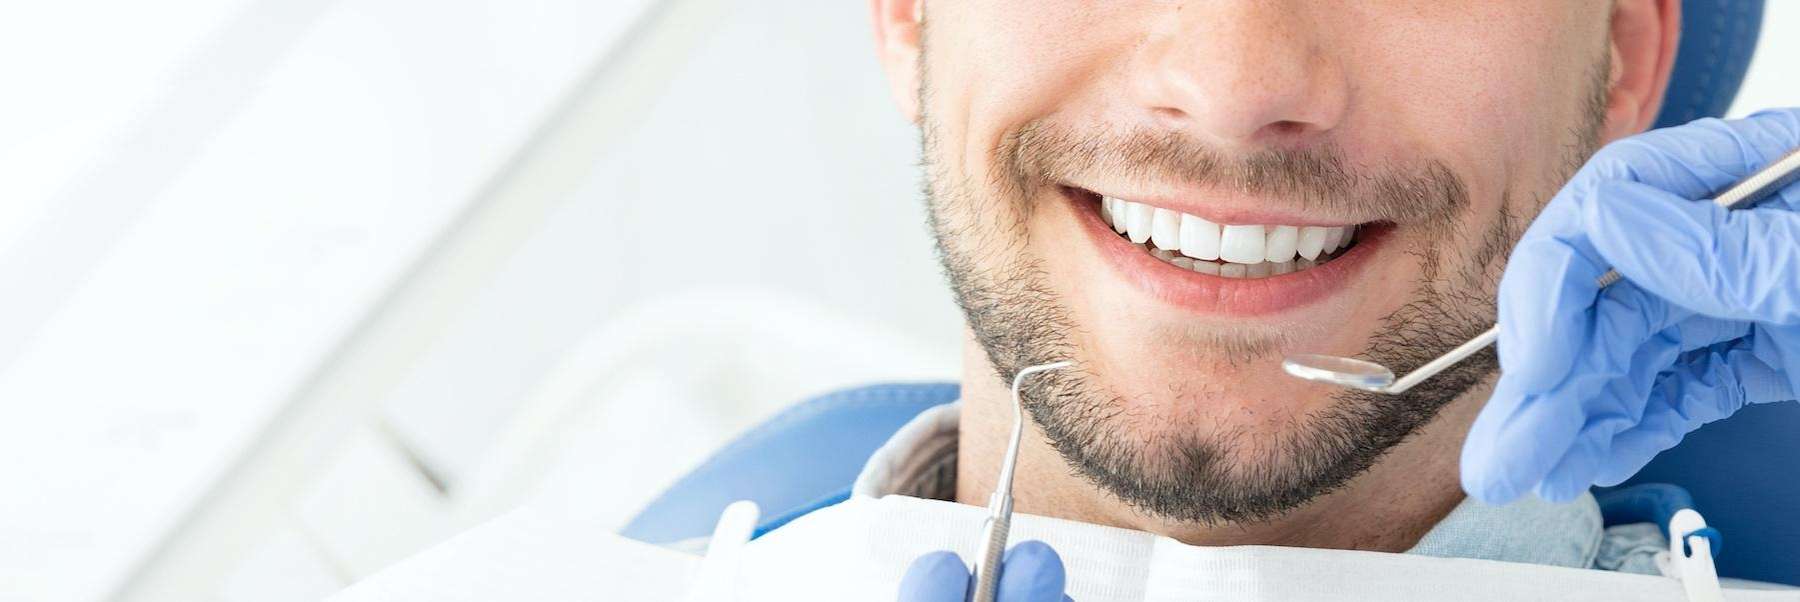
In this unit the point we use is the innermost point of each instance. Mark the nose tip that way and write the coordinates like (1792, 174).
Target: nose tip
(1241, 79)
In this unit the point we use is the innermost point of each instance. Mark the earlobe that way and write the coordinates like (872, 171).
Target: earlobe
(1644, 37)
(899, 31)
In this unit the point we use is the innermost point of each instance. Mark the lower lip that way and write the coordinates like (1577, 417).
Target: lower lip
(1205, 293)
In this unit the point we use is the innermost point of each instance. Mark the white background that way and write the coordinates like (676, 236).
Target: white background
(296, 287)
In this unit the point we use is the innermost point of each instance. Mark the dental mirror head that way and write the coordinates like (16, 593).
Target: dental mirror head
(1341, 371)
(1370, 376)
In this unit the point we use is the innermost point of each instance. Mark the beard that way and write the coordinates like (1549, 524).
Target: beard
(1019, 320)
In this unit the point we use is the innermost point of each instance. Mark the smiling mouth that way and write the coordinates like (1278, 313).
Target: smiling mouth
(1194, 243)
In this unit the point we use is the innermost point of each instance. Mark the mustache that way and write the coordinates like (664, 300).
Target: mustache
(1319, 178)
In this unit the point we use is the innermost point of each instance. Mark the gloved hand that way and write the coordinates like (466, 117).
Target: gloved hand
(1707, 319)
(1031, 572)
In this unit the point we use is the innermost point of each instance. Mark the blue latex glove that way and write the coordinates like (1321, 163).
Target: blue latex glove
(1594, 383)
(1031, 572)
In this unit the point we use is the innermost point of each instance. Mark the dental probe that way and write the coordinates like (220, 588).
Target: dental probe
(1370, 376)
(999, 520)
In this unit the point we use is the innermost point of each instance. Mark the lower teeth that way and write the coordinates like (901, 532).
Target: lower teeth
(1238, 270)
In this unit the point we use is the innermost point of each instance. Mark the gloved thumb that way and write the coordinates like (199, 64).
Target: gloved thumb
(1031, 572)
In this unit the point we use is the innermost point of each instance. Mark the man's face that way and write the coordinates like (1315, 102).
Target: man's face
(1328, 177)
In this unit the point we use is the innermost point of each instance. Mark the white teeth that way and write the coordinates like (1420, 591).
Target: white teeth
(1242, 244)
(1281, 243)
(1165, 229)
(1199, 238)
(1311, 242)
(1241, 251)
(1333, 238)
(1137, 221)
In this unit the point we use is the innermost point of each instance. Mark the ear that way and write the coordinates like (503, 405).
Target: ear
(899, 31)
(1645, 34)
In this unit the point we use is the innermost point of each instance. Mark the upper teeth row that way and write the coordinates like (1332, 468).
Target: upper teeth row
(1200, 239)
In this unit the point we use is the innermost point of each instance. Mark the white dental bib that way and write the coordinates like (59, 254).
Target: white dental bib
(859, 549)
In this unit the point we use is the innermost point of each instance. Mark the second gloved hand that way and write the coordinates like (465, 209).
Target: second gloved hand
(1596, 382)
(1031, 572)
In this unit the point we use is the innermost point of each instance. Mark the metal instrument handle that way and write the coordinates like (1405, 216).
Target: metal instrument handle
(987, 563)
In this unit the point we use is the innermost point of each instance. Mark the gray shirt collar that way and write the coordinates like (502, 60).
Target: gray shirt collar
(920, 461)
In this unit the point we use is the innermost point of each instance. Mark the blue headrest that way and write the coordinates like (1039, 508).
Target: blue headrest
(807, 453)
(1717, 38)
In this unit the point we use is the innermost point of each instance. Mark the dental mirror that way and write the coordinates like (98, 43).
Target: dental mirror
(1376, 378)
(1340, 371)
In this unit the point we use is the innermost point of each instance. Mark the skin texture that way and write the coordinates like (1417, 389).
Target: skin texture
(1177, 420)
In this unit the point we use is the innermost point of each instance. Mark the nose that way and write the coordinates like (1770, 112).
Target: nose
(1240, 73)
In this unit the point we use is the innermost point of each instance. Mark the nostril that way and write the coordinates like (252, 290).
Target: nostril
(1171, 115)
(1287, 129)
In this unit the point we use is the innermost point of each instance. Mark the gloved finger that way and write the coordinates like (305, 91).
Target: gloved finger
(1696, 160)
(1614, 408)
(1704, 386)
(1578, 461)
(1721, 263)
(1631, 423)
(1683, 393)
(935, 577)
(1527, 428)
(1499, 461)
(1031, 572)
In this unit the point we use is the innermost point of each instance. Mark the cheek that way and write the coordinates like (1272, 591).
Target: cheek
(1495, 91)
(996, 65)
(1488, 87)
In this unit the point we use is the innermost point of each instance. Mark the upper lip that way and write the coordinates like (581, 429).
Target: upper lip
(1229, 208)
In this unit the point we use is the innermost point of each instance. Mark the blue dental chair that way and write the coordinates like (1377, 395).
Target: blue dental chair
(1742, 473)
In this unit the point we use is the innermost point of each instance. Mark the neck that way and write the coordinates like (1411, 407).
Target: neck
(1387, 508)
